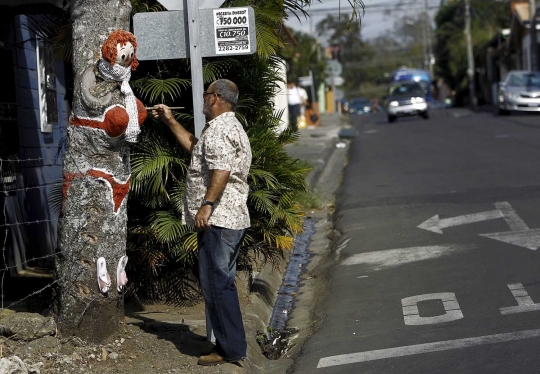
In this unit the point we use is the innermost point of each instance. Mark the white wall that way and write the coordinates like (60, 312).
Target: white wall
(280, 99)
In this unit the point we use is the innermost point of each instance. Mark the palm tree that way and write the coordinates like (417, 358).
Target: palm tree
(158, 240)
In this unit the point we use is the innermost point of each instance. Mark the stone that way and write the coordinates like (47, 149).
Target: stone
(12, 365)
(35, 368)
(104, 354)
(113, 356)
(27, 326)
(6, 312)
(41, 346)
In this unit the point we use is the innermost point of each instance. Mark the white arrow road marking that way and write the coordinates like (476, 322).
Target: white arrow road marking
(390, 258)
(521, 235)
(529, 239)
(511, 217)
(435, 224)
(410, 350)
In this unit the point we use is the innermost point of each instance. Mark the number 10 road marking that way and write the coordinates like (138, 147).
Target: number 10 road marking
(452, 311)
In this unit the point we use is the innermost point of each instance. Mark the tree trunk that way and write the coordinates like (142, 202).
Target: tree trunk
(96, 175)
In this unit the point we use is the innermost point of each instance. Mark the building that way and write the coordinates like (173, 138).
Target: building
(33, 120)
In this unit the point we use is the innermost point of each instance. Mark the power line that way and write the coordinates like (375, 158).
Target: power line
(377, 7)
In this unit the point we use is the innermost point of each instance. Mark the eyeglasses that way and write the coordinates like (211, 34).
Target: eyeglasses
(209, 93)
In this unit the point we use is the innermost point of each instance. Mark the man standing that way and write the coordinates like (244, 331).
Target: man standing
(295, 102)
(216, 204)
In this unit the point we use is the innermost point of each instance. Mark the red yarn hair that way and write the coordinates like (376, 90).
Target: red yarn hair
(109, 52)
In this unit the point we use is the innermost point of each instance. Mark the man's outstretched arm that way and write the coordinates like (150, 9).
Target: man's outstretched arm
(186, 139)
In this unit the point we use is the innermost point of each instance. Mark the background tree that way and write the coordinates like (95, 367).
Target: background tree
(308, 54)
(340, 32)
(450, 48)
(367, 65)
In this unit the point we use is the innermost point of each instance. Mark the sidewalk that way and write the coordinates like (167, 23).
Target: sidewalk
(317, 145)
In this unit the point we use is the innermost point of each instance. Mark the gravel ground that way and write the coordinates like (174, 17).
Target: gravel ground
(144, 345)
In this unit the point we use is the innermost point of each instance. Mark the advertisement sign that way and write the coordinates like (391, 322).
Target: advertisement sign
(231, 31)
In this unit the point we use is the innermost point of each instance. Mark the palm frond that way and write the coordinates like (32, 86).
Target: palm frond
(160, 90)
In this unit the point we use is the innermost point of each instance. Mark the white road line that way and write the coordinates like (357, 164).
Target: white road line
(389, 258)
(425, 348)
(511, 217)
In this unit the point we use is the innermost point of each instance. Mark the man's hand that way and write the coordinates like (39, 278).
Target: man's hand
(163, 112)
(184, 137)
(202, 217)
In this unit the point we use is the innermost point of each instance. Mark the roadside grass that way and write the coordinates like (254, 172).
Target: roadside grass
(310, 200)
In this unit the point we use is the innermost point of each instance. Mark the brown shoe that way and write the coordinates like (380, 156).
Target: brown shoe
(211, 360)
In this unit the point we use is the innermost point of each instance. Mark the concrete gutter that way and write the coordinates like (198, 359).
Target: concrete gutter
(328, 162)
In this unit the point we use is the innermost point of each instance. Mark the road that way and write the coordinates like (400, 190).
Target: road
(438, 270)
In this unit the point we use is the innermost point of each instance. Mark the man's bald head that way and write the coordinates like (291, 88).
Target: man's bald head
(227, 91)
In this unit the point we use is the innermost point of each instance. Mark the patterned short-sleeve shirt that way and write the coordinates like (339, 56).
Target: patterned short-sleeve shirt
(223, 145)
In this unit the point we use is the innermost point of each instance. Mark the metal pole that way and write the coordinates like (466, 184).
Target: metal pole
(429, 45)
(534, 44)
(470, 58)
(312, 86)
(197, 85)
(424, 45)
(195, 58)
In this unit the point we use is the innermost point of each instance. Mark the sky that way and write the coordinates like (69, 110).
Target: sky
(376, 21)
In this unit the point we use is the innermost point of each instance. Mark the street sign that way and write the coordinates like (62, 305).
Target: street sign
(334, 67)
(162, 35)
(305, 81)
(207, 32)
(179, 4)
(335, 81)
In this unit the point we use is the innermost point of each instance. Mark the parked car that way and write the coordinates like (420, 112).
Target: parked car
(520, 91)
(359, 105)
(406, 99)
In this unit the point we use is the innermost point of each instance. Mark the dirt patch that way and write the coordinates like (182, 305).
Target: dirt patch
(153, 339)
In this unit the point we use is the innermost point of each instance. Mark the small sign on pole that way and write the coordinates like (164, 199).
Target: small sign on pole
(232, 30)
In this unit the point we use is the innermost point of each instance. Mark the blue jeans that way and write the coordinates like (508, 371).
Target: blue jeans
(218, 251)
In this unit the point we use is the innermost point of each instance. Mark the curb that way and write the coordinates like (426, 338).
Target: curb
(320, 163)
(305, 317)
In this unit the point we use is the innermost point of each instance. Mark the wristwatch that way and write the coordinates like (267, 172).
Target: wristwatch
(207, 202)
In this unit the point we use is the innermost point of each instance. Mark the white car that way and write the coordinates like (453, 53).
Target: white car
(520, 91)
(406, 99)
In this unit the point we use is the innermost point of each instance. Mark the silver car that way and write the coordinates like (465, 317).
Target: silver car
(520, 91)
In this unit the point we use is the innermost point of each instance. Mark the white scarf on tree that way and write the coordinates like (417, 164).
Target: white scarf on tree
(122, 74)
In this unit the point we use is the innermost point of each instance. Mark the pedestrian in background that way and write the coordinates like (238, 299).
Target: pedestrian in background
(216, 204)
(295, 102)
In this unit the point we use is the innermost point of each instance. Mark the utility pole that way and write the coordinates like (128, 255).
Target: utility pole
(533, 65)
(470, 58)
(429, 45)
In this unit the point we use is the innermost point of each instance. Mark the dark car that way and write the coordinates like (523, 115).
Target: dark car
(359, 105)
(406, 99)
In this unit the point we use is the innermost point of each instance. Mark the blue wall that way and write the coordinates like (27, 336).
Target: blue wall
(39, 239)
